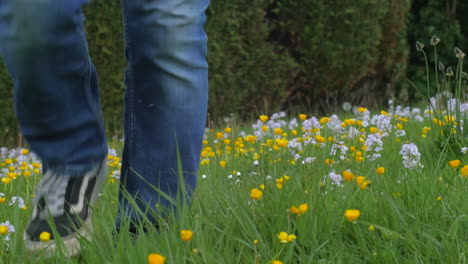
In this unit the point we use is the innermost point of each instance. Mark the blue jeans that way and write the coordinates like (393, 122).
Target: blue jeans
(56, 96)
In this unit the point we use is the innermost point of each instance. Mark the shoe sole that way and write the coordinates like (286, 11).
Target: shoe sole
(71, 243)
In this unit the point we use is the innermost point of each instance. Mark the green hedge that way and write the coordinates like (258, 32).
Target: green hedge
(295, 55)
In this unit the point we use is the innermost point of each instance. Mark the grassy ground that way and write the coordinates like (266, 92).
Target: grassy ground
(413, 209)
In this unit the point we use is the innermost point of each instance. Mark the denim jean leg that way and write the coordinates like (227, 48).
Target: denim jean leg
(165, 100)
(55, 83)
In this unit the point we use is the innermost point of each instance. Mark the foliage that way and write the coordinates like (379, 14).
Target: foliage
(342, 49)
(248, 74)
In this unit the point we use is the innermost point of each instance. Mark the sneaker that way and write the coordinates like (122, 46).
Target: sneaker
(66, 204)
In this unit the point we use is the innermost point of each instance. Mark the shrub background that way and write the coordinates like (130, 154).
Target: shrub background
(296, 55)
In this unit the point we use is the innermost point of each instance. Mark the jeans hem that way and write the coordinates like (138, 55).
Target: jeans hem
(72, 170)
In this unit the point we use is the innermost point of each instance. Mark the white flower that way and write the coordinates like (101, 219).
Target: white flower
(336, 178)
(411, 156)
(464, 150)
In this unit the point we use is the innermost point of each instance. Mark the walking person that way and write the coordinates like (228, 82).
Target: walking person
(44, 48)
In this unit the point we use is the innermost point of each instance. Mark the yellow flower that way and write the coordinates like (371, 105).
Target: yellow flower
(3, 230)
(156, 259)
(454, 163)
(348, 176)
(362, 109)
(222, 163)
(279, 186)
(256, 194)
(251, 138)
(299, 211)
(371, 228)
(302, 117)
(186, 235)
(255, 242)
(6, 180)
(2, 200)
(276, 262)
(360, 180)
(352, 148)
(439, 198)
(219, 135)
(352, 214)
(464, 171)
(8, 161)
(264, 128)
(285, 237)
(364, 185)
(24, 151)
(278, 131)
(373, 130)
(319, 139)
(44, 236)
(380, 170)
(228, 130)
(329, 161)
(36, 165)
(324, 120)
(264, 118)
(294, 132)
(227, 141)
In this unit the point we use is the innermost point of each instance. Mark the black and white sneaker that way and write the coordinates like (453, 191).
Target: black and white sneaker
(65, 203)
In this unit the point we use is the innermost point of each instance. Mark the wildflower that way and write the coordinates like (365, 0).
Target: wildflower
(411, 156)
(228, 130)
(352, 214)
(435, 40)
(362, 109)
(8, 161)
(156, 259)
(299, 211)
(256, 194)
(346, 106)
(419, 46)
(454, 163)
(222, 163)
(347, 175)
(459, 53)
(449, 72)
(262, 186)
(276, 262)
(24, 151)
(186, 235)
(441, 67)
(278, 131)
(380, 170)
(6, 180)
(285, 237)
(255, 242)
(324, 120)
(3, 230)
(371, 228)
(329, 161)
(264, 128)
(439, 198)
(44, 236)
(464, 171)
(264, 118)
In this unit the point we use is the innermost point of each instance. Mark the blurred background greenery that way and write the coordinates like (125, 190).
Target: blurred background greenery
(294, 55)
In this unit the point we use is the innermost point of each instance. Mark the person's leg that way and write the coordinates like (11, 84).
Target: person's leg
(56, 102)
(165, 99)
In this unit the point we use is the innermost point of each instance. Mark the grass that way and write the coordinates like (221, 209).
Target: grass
(407, 215)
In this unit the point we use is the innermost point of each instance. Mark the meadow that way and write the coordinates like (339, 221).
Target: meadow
(387, 186)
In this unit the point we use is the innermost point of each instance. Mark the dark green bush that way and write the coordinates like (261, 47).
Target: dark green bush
(248, 74)
(349, 51)
(440, 18)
